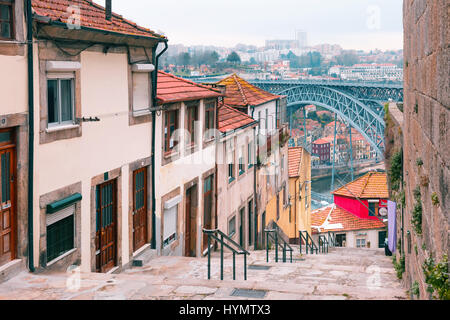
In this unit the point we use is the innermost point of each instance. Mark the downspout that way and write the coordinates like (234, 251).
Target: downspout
(154, 89)
(255, 232)
(29, 18)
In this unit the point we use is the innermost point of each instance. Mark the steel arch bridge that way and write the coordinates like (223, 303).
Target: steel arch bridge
(359, 103)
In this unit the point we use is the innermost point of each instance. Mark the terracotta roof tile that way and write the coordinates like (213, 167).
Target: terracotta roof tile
(240, 93)
(370, 186)
(232, 119)
(92, 16)
(321, 141)
(174, 89)
(295, 160)
(335, 219)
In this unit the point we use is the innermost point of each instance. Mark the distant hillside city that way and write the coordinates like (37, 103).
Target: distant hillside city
(290, 59)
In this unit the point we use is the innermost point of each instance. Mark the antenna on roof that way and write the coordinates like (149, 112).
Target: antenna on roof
(108, 8)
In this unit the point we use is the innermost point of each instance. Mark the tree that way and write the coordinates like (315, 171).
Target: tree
(346, 59)
(234, 58)
(184, 59)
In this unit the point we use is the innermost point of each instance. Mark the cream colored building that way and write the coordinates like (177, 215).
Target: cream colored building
(14, 137)
(185, 163)
(94, 93)
(236, 175)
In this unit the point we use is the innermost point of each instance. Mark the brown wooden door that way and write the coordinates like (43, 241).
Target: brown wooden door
(139, 208)
(207, 207)
(7, 205)
(191, 224)
(106, 236)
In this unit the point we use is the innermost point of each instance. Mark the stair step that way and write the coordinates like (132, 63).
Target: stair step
(11, 269)
(143, 256)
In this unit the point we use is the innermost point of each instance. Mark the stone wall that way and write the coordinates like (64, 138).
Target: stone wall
(426, 132)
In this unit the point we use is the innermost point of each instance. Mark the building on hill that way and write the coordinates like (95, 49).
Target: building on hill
(293, 212)
(185, 165)
(321, 148)
(236, 169)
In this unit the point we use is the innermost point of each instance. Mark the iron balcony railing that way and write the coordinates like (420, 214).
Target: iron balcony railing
(225, 242)
(279, 242)
(309, 243)
(323, 244)
(331, 239)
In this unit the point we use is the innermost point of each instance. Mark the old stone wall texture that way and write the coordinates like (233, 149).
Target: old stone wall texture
(426, 130)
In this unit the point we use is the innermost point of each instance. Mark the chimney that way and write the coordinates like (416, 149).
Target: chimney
(108, 9)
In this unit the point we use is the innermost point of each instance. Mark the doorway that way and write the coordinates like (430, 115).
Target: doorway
(341, 240)
(140, 208)
(191, 222)
(241, 226)
(7, 195)
(106, 226)
(208, 208)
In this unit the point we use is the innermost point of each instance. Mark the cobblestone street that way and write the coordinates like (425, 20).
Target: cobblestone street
(341, 275)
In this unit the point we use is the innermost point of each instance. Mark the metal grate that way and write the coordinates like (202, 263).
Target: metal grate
(257, 294)
(259, 267)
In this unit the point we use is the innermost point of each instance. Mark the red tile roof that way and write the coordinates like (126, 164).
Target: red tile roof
(371, 186)
(174, 89)
(232, 119)
(321, 141)
(335, 219)
(92, 16)
(295, 161)
(240, 93)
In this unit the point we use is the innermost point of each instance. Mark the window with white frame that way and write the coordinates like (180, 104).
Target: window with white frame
(232, 226)
(61, 92)
(170, 220)
(61, 99)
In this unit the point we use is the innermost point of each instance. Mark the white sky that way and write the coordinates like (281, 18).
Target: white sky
(354, 24)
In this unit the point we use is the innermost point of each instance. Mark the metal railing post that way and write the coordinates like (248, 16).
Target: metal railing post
(284, 253)
(209, 257)
(267, 247)
(276, 247)
(221, 257)
(245, 266)
(234, 265)
(300, 240)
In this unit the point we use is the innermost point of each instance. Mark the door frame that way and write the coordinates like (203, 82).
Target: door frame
(190, 208)
(146, 206)
(115, 184)
(11, 145)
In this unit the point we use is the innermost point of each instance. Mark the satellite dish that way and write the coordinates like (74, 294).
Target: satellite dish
(383, 212)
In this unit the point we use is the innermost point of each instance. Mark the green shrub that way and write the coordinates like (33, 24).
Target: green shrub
(399, 266)
(436, 276)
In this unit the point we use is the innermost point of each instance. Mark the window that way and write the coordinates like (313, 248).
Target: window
(232, 227)
(141, 92)
(360, 243)
(231, 167)
(191, 120)
(267, 120)
(61, 100)
(259, 119)
(210, 120)
(241, 162)
(373, 208)
(250, 155)
(6, 19)
(170, 220)
(170, 126)
(60, 233)
(250, 222)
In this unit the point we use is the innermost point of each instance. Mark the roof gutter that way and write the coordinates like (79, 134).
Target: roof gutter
(30, 61)
(154, 98)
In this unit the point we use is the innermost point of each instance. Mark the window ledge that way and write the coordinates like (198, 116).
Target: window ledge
(68, 253)
(141, 113)
(61, 128)
(231, 180)
(171, 154)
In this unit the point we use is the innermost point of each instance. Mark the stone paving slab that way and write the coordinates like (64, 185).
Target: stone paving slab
(340, 275)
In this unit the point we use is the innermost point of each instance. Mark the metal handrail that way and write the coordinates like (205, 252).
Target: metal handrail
(309, 243)
(284, 246)
(332, 238)
(323, 244)
(221, 237)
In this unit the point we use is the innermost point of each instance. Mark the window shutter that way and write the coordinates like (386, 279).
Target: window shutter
(170, 221)
(141, 91)
(62, 214)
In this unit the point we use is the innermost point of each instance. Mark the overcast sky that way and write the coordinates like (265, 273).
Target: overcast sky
(354, 24)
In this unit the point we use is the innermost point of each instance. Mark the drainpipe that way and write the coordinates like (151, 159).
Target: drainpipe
(255, 201)
(29, 18)
(154, 89)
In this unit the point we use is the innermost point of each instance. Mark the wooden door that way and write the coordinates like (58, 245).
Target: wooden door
(7, 204)
(106, 236)
(191, 224)
(207, 207)
(241, 227)
(140, 208)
